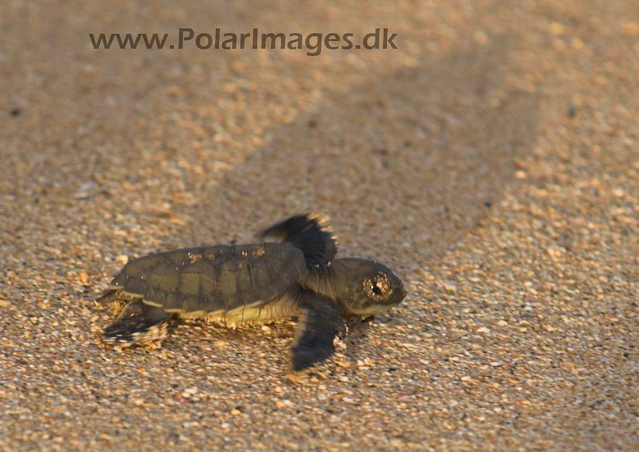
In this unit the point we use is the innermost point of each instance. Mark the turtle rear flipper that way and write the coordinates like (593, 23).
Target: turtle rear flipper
(319, 325)
(138, 324)
(309, 232)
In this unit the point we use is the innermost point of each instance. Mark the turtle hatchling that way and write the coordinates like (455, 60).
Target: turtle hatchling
(264, 282)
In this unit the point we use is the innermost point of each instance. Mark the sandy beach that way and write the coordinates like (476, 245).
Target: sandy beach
(491, 161)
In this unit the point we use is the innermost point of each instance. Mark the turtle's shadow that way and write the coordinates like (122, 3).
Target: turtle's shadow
(359, 331)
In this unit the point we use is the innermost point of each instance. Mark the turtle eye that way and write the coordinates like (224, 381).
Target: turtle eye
(378, 287)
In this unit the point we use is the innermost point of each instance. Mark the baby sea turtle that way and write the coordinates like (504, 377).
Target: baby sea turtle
(255, 283)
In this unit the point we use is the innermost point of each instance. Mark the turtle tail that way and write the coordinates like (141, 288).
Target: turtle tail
(309, 232)
(114, 299)
(108, 296)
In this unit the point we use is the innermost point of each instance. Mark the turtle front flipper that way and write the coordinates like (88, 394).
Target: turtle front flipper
(138, 324)
(319, 325)
(309, 232)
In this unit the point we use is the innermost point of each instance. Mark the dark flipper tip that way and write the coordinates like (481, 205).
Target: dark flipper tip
(136, 330)
(305, 357)
(309, 232)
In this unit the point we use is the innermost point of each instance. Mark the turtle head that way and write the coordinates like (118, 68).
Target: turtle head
(366, 288)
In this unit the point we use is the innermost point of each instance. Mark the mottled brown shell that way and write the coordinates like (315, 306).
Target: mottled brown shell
(211, 279)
